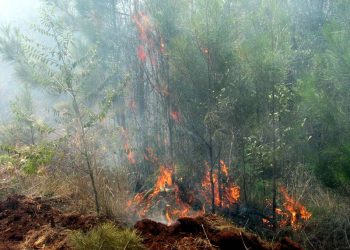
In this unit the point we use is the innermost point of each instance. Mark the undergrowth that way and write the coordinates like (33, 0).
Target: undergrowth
(106, 236)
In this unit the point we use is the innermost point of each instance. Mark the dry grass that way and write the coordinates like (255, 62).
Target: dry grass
(192, 243)
(329, 227)
(107, 237)
(74, 190)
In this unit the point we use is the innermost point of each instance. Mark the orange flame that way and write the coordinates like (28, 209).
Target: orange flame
(166, 188)
(296, 210)
(224, 168)
(143, 202)
(293, 213)
(164, 180)
(230, 192)
(128, 149)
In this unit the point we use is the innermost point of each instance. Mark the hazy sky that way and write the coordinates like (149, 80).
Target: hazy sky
(19, 11)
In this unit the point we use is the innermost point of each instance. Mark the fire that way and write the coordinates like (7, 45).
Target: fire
(224, 168)
(296, 210)
(230, 192)
(131, 157)
(165, 197)
(167, 216)
(162, 45)
(175, 116)
(143, 25)
(292, 213)
(164, 180)
(141, 54)
(151, 156)
(128, 149)
(164, 186)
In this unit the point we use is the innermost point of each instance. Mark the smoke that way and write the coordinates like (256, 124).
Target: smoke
(19, 14)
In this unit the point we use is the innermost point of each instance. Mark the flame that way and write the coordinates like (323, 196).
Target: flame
(131, 157)
(175, 116)
(143, 203)
(296, 211)
(128, 149)
(151, 156)
(143, 25)
(166, 191)
(224, 168)
(168, 218)
(141, 54)
(162, 45)
(230, 192)
(292, 213)
(145, 31)
(164, 180)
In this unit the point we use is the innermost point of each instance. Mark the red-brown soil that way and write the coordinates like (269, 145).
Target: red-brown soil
(205, 232)
(33, 224)
(27, 223)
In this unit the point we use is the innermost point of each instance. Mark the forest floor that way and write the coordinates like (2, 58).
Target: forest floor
(36, 223)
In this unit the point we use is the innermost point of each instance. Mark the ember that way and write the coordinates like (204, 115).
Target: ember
(175, 116)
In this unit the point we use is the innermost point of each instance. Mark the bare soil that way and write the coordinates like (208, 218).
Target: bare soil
(204, 232)
(37, 223)
(27, 223)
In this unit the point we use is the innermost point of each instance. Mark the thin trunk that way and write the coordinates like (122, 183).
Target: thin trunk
(220, 181)
(32, 135)
(86, 152)
(212, 184)
(244, 171)
(77, 112)
(213, 208)
(274, 163)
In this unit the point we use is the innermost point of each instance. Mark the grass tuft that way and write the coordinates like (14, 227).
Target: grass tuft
(108, 237)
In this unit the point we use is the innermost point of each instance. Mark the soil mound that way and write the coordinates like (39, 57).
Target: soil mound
(204, 232)
(27, 223)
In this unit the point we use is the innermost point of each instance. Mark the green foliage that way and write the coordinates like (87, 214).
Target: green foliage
(28, 158)
(334, 166)
(106, 236)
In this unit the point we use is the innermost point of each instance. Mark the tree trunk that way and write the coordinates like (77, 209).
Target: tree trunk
(86, 152)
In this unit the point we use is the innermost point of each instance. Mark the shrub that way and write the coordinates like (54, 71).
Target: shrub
(106, 236)
(28, 158)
